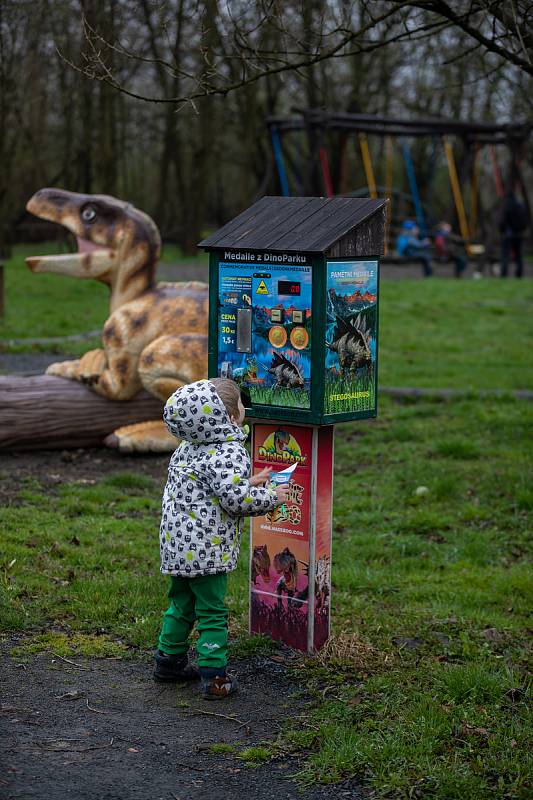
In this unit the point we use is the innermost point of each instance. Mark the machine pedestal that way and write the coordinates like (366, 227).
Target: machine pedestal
(290, 551)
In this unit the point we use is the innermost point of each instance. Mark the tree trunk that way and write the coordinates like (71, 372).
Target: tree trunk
(46, 412)
(87, 128)
(202, 150)
(106, 170)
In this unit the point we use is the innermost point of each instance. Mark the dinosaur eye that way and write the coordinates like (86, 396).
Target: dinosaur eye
(88, 214)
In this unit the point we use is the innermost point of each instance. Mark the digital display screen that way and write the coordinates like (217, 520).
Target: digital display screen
(289, 288)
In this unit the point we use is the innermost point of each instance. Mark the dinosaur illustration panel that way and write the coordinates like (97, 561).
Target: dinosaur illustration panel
(264, 332)
(279, 574)
(351, 336)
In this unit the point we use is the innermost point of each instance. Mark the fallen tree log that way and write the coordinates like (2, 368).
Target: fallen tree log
(46, 412)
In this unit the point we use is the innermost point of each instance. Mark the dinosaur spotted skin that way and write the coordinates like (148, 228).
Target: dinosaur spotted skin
(156, 334)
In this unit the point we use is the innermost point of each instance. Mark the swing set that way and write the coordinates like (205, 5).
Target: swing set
(318, 128)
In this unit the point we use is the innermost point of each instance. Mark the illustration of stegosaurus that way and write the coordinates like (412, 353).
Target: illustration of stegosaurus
(351, 343)
(286, 372)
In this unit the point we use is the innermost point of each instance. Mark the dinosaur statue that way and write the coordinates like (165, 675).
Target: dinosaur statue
(156, 334)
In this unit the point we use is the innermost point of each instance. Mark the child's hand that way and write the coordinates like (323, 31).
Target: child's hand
(261, 478)
(282, 492)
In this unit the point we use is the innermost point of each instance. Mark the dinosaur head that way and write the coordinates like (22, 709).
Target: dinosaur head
(281, 440)
(113, 237)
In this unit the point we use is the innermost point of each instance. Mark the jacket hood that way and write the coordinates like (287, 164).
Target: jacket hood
(196, 413)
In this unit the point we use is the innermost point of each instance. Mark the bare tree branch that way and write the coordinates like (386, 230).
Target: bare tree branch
(327, 39)
(462, 21)
(98, 69)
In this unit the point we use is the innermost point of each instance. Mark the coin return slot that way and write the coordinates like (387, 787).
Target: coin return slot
(244, 330)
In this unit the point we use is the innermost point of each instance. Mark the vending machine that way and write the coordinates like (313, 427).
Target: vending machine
(293, 319)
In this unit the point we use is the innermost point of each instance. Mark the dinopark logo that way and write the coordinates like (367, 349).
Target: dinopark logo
(281, 447)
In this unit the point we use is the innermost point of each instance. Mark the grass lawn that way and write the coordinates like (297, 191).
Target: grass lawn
(425, 686)
(465, 335)
(47, 305)
(423, 690)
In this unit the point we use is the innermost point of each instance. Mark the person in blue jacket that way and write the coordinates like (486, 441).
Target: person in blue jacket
(409, 245)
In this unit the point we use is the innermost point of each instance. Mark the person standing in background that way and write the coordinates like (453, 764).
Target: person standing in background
(513, 224)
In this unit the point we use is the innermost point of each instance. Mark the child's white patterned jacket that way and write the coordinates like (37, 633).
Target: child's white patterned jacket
(208, 489)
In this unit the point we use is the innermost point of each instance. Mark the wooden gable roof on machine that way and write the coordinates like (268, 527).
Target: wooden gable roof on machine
(336, 227)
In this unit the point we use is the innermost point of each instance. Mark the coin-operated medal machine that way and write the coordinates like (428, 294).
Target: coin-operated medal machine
(293, 319)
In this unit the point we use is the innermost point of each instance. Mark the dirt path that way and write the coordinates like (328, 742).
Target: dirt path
(53, 467)
(106, 731)
(121, 736)
(29, 363)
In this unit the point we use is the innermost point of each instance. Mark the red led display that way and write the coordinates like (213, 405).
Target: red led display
(288, 288)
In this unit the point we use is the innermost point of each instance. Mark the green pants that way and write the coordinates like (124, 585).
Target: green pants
(198, 599)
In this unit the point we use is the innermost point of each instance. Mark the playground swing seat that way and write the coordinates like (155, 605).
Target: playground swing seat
(472, 249)
(443, 253)
(398, 257)
(440, 253)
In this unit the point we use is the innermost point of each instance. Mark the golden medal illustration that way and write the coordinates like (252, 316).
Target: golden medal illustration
(299, 338)
(277, 336)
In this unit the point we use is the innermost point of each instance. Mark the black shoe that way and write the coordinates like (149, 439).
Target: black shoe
(217, 684)
(169, 669)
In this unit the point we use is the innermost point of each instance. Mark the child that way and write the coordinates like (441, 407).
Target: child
(448, 247)
(207, 494)
(409, 245)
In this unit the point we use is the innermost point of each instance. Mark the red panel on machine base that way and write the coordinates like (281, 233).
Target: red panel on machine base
(291, 547)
